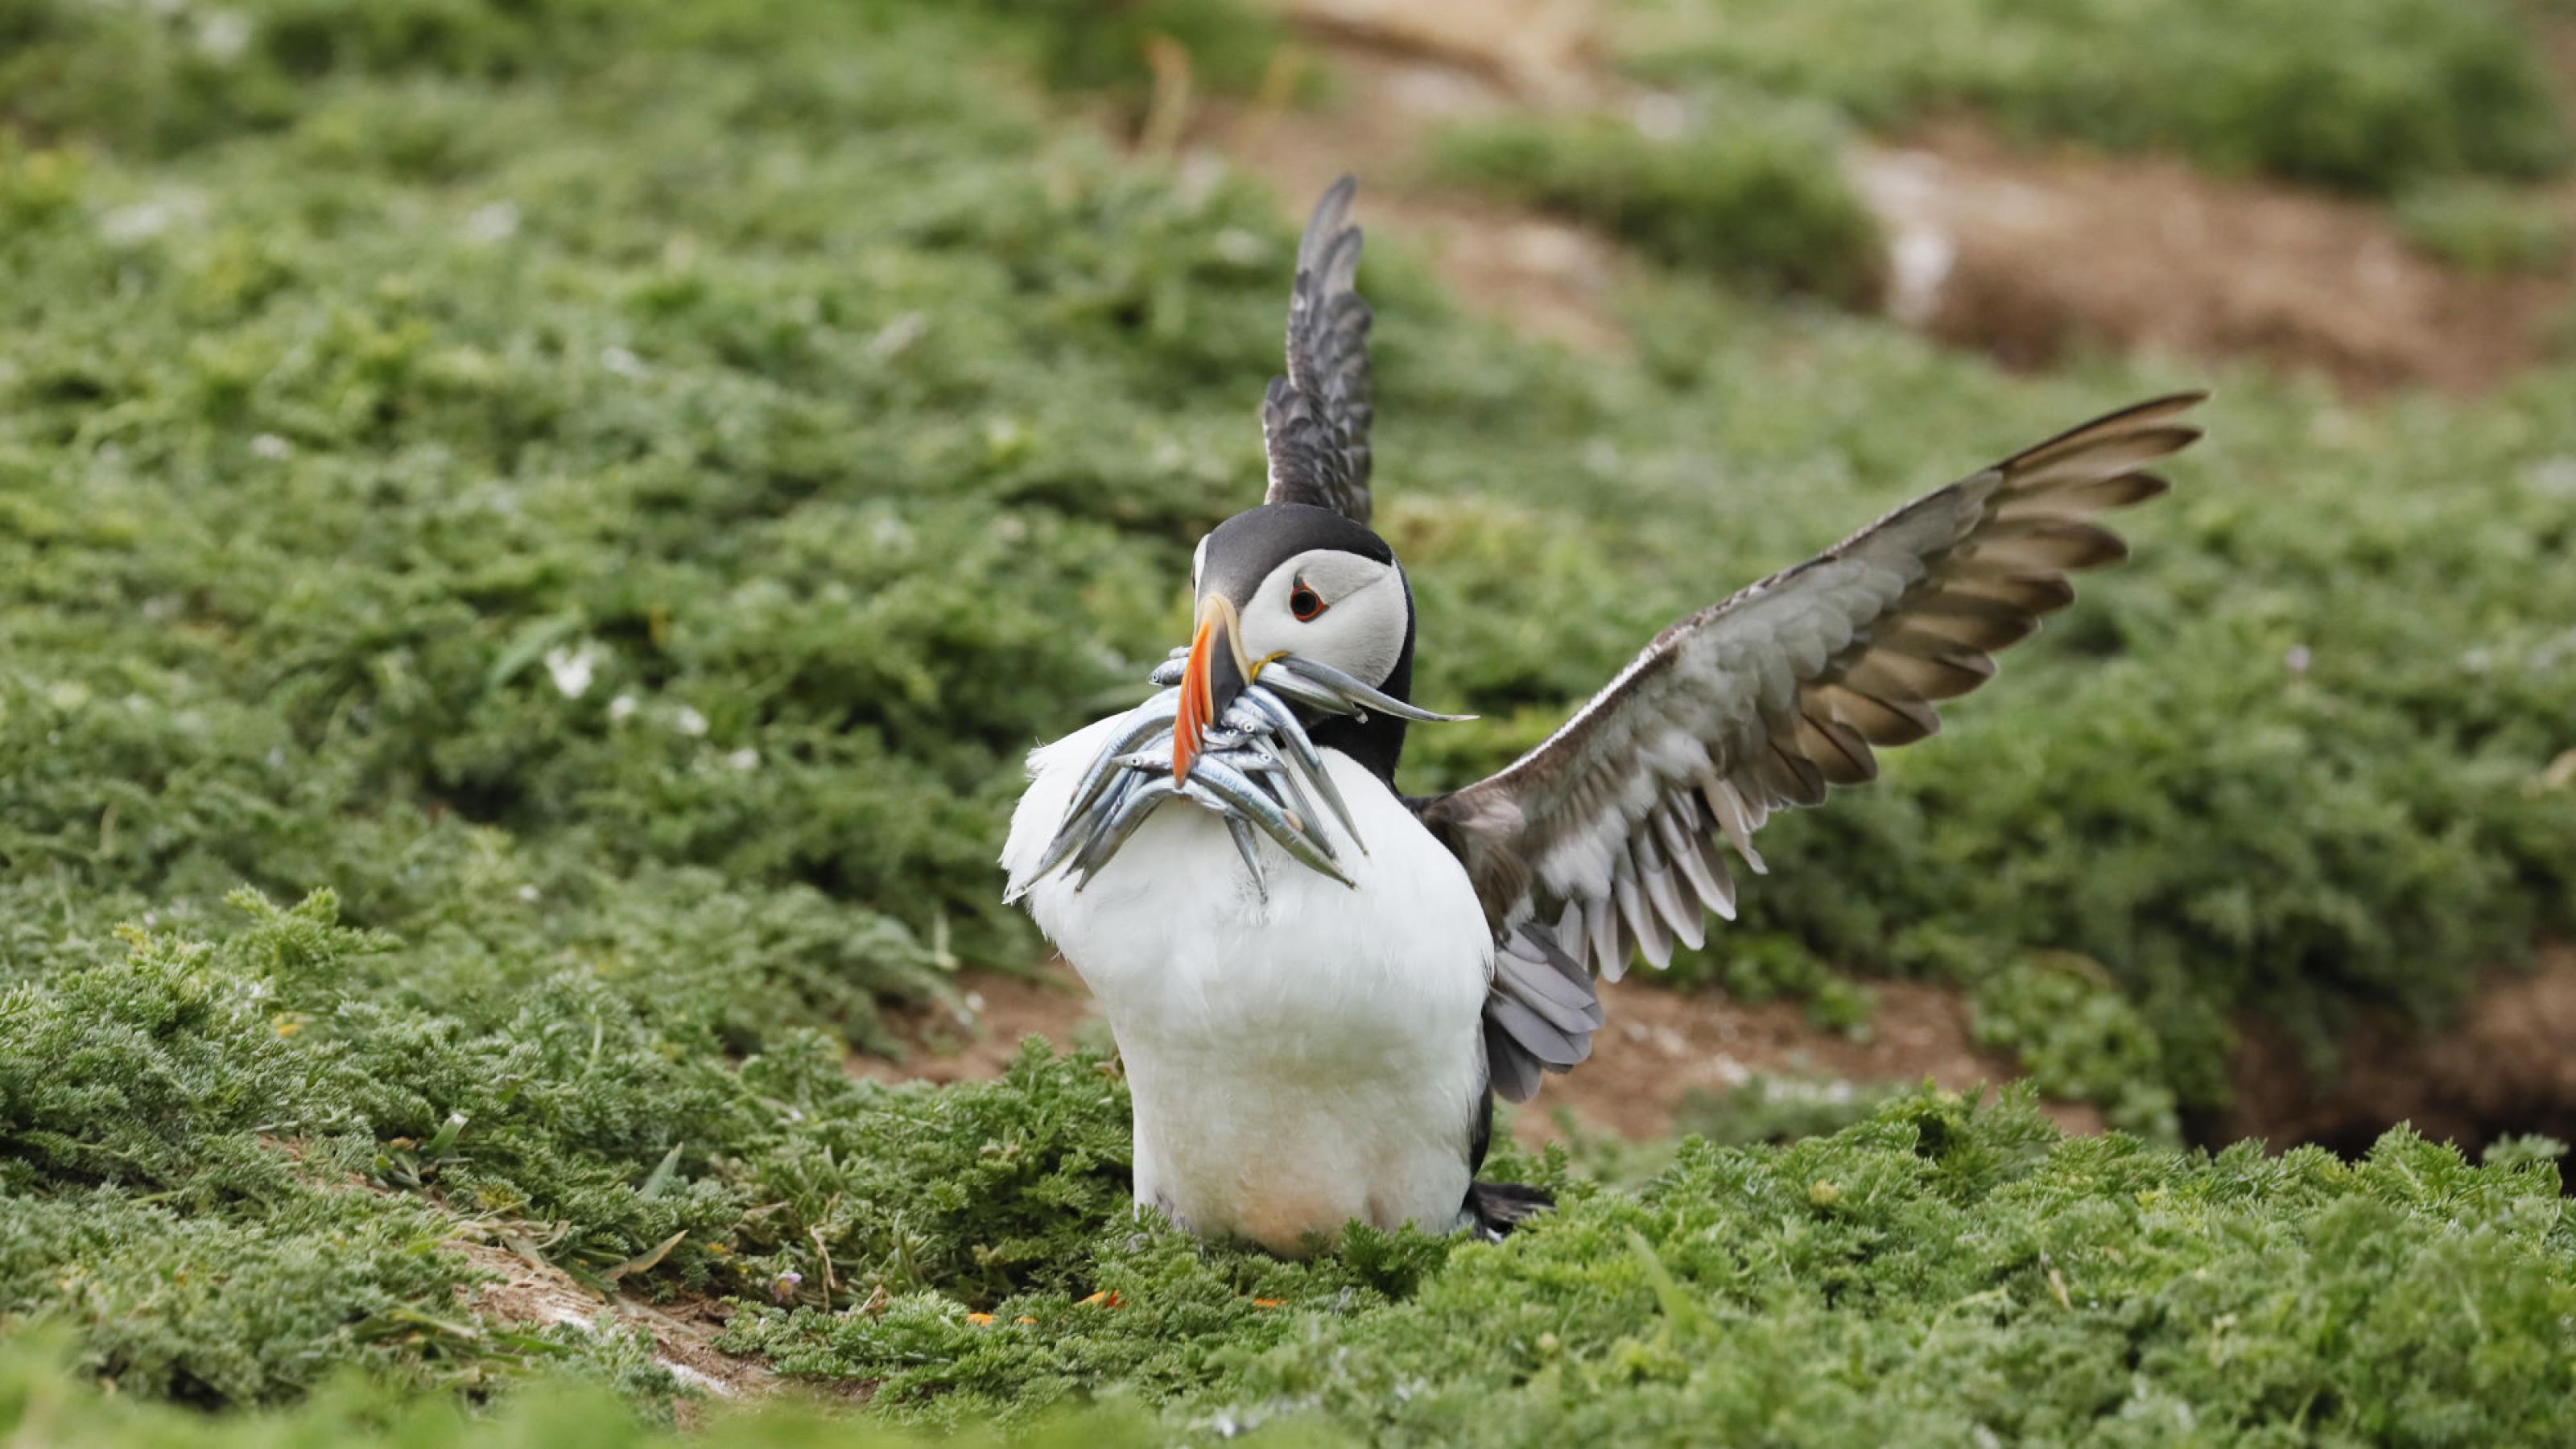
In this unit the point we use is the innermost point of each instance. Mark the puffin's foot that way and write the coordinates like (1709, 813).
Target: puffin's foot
(1498, 1207)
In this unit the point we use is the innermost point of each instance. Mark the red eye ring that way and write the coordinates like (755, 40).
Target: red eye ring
(1305, 603)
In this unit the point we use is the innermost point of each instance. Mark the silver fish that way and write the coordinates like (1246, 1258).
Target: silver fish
(1243, 844)
(1080, 825)
(1262, 762)
(1323, 677)
(1154, 714)
(1285, 683)
(1254, 770)
(1230, 787)
(1301, 749)
(1112, 832)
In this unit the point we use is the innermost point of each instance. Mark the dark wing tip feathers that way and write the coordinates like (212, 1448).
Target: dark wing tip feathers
(1315, 419)
(1332, 216)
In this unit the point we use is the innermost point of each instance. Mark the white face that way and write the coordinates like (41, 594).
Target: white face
(1324, 604)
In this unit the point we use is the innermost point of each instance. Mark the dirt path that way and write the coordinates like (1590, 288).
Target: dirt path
(524, 1290)
(539, 1295)
(2029, 256)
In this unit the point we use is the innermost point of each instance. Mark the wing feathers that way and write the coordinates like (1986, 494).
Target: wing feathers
(1900, 719)
(1697, 858)
(1315, 420)
(1610, 827)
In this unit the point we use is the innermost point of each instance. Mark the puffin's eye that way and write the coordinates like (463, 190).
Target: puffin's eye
(1305, 603)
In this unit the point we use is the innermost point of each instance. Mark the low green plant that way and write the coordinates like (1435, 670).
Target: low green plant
(1937, 1273)
(2079, 1037)
(598, 532)
(2486, 229)
(1747, 190)
(1772, 1107)
(2366, 95)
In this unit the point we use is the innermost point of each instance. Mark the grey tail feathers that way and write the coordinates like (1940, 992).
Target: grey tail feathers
(1499, 1207)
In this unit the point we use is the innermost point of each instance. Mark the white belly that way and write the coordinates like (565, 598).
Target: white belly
(1295, 1063)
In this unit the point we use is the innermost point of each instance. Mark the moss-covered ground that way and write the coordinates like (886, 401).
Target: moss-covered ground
(2369, 96)
(532, 538)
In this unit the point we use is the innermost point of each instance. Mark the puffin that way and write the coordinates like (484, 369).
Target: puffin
(1316, 1005)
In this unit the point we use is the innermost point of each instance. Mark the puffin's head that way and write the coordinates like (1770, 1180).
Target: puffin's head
(1291, 578)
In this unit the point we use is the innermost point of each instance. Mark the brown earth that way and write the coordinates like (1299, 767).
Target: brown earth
(1658, 1048)
(1002, 1010)
(2508, 1066)
(2024, 254)
(528, 1290)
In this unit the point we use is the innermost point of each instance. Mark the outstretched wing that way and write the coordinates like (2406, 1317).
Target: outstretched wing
(1603, 839)
(1315, 421)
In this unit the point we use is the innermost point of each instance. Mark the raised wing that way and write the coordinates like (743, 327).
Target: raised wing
(1603, 839)
(1315, 421)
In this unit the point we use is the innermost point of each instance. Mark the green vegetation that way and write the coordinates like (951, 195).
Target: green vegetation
(1752, 192)
(595, 511)
(2487, 229)
(2066, 1022)
(1932, 1275)
(2366, 95)
(1938, 1274)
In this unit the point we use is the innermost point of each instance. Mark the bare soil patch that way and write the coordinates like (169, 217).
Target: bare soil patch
(2508, 1066)
(540, 1295)
(1658, 1048)
(1001, 1011)
(530, 1292)
(2027, 255)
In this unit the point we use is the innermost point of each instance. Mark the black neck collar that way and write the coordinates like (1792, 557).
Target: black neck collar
(1378, 741)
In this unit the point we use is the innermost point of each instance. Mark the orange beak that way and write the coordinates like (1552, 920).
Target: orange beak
(1215, 674)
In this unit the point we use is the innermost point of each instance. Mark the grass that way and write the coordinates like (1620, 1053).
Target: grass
(2362, 95)
(1750, 192)
(2485, 229)
(593, 514)
(1939, 1272)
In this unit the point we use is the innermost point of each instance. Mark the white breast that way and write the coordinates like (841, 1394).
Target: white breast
(1295, 1063)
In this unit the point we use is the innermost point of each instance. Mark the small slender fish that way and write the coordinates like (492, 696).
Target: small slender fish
(1265, 763)
(1301, 749)
(1111, 801)
(1244, 846)
(1254, 771)
(1154, 714)
(1080, 825)
(1283, 682)
(1112, 833)
(1353, 692)
(1229, 787)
